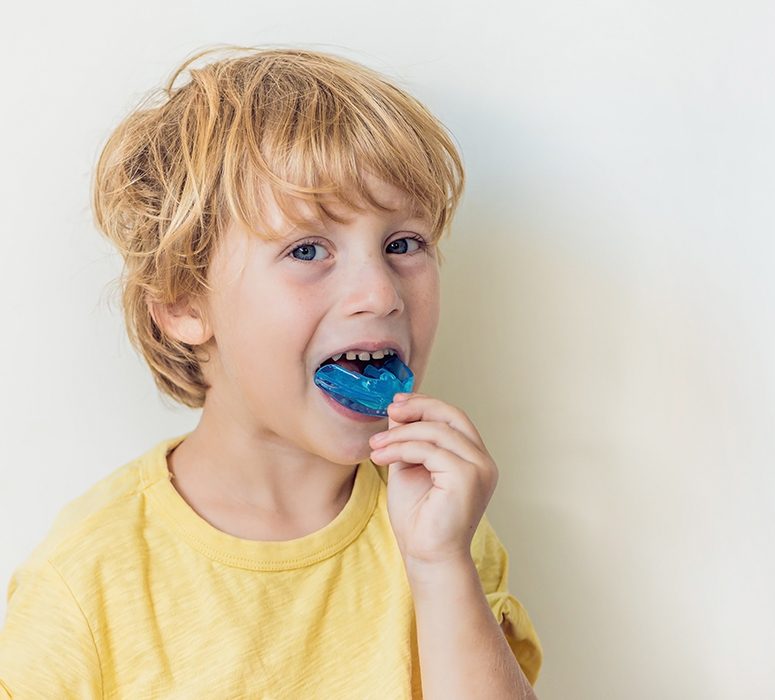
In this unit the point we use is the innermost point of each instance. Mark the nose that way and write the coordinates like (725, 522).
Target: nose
(372, 286)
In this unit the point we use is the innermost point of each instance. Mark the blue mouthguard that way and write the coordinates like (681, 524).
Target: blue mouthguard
(371, 392)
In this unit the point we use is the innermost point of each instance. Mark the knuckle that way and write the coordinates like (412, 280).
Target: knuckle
(439, 426)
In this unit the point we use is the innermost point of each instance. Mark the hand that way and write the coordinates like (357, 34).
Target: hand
(440, 482)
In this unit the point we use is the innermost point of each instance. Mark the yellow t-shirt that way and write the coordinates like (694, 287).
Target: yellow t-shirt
(133, 595)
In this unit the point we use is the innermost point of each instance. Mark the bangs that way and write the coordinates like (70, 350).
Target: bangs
(307, 128)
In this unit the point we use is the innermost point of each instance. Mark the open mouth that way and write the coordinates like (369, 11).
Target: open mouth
(365, 386)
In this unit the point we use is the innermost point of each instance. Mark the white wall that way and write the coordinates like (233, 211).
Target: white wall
(609, 274)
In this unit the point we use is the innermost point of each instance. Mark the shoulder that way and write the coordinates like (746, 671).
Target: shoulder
(94, 517)
(45, 592)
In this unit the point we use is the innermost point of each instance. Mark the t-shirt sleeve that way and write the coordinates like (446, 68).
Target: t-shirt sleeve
(46, 646)
(492, 562)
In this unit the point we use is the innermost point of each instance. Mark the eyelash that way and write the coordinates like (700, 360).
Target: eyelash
(316, 241)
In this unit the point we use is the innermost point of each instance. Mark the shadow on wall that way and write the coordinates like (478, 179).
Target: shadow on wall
(532, 345)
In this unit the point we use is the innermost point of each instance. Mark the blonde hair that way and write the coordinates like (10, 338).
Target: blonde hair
(188, 159)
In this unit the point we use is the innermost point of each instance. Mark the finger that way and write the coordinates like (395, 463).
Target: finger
(402, 396)
(419, 407)
(436, 460)
(435, 432)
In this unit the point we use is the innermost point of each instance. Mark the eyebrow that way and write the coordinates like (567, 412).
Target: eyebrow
(413, 216)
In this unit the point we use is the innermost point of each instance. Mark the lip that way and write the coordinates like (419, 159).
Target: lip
(369, 346)
(348, 413)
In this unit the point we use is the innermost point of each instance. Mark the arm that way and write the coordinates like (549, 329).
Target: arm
(441, 478)
(46, 646)
(463, 652)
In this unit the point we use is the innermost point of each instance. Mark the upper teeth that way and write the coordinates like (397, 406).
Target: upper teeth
(364, 355)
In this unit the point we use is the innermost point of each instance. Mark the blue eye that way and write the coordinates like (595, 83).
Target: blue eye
(403, 240)
(308, 247)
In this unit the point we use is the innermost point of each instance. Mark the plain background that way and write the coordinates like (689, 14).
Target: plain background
(607, 298)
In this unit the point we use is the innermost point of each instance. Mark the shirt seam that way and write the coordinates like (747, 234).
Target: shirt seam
(75, 529)
(246, 563)
(86, 621)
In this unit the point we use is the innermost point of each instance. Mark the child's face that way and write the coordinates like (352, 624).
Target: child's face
(275, 321)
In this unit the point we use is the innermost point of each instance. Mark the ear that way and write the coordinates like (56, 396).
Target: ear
(183, 321)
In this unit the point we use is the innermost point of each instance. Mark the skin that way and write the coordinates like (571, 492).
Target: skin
(270, 459)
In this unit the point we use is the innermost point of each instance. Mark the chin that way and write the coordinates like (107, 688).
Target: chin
(349, 454)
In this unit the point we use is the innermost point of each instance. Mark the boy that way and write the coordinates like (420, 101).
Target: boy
(280, 210)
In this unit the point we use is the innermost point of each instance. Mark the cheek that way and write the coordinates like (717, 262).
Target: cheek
(424, 313)
(427, 303)
(272, 333)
